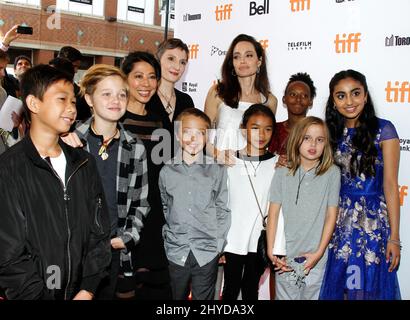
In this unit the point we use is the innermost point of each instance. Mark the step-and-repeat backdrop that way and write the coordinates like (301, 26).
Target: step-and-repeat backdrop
(320, 38)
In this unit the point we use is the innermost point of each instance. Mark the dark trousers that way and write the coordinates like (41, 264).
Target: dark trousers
(107, 287)
(241, 273)
(202, 279)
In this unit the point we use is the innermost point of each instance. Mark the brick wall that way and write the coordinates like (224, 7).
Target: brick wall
(94, 36)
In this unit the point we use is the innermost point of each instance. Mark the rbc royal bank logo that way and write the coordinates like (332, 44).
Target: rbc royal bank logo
(404, 144)
(398, 92)
(189, 87)
(347, 43)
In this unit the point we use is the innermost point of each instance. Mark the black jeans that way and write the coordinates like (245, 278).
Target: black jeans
(241, 273)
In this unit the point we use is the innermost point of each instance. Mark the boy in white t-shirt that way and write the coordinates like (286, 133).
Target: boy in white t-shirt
(54, 231)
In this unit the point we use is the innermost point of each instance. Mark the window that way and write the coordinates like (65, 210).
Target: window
(29, 2)
(163, 10)
(139, 11)
(89, 7)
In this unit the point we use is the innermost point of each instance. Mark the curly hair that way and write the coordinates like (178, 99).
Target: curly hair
(305, 78)
(364, 152)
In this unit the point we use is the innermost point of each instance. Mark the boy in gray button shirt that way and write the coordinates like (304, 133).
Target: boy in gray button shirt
(194, 196)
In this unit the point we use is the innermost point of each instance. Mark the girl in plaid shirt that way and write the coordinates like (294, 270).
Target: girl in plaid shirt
(122, 164)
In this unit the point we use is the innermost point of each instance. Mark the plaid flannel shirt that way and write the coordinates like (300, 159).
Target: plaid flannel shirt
(132, 188)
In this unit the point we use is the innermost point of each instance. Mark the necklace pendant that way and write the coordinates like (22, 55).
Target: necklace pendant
(169, 109)
(103, 152)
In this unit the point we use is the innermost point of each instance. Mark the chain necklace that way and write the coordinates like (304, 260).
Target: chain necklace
(102, 152)
(255, 168)
(168, 108)
(301, 180)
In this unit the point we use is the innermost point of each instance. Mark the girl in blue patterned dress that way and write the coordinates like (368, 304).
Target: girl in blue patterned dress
(365, 250)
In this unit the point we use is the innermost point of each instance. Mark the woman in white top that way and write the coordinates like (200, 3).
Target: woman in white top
(249, 181)
(244, 82)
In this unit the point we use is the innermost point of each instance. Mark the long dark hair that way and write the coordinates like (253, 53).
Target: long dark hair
(365, 135)
(228, 88)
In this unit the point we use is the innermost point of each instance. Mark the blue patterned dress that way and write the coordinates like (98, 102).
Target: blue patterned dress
(356, 267)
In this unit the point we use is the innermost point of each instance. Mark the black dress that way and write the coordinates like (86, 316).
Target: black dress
(183, 101)
(149, 254)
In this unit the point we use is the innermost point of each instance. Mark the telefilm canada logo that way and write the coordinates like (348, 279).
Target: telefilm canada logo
(189, 87)
(393, 41)
(190, 17)
(217, 51)
(299, 45)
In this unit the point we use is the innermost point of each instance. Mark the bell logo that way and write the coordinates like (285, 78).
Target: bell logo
(264, 44)
(223, 12)
(398, 92)
(402, 193)
(299, 5)
(344, 44)
(259, 10)
(193, 51)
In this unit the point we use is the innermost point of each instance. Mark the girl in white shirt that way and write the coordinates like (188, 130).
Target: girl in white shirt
(253, 171)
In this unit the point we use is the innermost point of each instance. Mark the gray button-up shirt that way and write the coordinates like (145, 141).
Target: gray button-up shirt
(195, 199)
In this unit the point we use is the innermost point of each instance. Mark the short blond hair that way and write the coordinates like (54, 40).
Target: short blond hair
(97, 73)
(295, 140)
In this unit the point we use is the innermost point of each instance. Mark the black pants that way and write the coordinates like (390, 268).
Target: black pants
(153, 285)
(202, 280)
(107, 287)
(241, 273)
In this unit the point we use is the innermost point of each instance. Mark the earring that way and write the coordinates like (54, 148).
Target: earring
(234, 73)
(258, 70)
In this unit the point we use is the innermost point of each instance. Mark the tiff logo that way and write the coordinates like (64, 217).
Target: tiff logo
(264, 44)
(343, 45)
(402, 193)
(299, 5)
(223, 12)
(193, 51)
(262, 9)
(398, 92)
